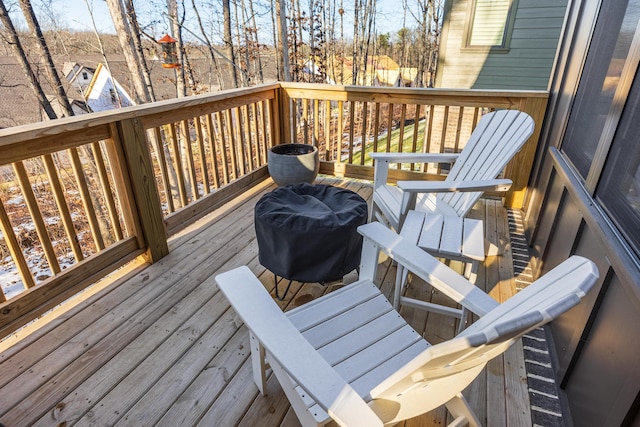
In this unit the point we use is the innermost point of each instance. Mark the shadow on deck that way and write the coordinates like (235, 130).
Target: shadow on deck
(160, 345)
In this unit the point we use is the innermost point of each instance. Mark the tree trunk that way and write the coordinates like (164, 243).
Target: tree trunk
(54, 78)
(135, 30)
(11, 37)
(247, 39)
(258, 60)
(172, 7)
(125, 36)
(354, 51)
(209, 46)
(283, 40)
(276, 42)
(228, 41)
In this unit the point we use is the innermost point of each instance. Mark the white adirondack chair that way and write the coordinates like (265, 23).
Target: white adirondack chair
(495, 140)
(350, 357)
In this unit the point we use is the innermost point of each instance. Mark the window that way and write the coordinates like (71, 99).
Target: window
(112, 93)
(85, 75)
(490, 23)
(619, 188)
(601, 136)
(602, 70)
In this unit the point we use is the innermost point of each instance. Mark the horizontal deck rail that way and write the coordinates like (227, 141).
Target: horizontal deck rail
(82, 196)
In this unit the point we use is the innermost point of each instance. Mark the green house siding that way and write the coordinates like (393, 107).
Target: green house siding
(526, 62)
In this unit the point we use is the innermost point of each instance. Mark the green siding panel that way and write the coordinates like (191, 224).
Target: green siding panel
(525, 65)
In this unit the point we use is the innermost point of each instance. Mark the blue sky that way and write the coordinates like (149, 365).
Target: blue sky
(75, 14)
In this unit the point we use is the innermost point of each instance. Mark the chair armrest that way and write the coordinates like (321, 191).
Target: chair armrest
(441, 277)
(454, 186)
(415, 157)
(292, 351)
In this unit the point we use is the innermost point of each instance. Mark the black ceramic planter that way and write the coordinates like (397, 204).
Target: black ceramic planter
(293, 163)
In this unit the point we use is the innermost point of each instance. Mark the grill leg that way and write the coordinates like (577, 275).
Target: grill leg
(281, 298)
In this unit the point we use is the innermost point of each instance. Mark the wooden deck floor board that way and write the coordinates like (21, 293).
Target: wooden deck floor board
(163, 347)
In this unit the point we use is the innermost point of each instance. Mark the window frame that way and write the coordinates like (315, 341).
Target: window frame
(506, 35)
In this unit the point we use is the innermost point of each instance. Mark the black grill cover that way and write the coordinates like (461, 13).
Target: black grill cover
(308, 232)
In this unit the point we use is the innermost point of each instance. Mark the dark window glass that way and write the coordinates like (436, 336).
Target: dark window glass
(619, 188)
(607, 54)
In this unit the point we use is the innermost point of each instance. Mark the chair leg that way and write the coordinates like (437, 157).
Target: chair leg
(401, 281)
(471, 273)
(258, 364)
(492, 249)
(460, 410)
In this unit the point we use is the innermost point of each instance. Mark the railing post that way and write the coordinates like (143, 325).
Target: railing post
(519, 169)
(138, 159)
(283, 115)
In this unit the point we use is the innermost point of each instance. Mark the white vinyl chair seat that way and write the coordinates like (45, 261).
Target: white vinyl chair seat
(357, 331)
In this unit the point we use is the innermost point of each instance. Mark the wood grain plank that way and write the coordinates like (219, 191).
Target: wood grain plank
(516, 388)
(230, 364)
(221, 234)
(132, 370)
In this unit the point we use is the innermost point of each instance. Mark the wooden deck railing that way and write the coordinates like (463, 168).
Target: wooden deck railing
(347, 122)
(81, 197)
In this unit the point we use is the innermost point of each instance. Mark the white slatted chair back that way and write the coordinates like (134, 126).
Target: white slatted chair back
(455, 363)
(494, 142)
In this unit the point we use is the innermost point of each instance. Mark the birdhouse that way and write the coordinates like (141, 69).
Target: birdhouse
(169, 52)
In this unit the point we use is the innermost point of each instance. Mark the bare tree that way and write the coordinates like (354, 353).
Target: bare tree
(209, 46)
(137, 42)
(428, 15)
(126, 38)
(256, 43)
(41, 44)
(11, 37)
(228, 40)
(176, 26)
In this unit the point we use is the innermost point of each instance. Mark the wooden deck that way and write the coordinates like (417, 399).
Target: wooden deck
(159, 345)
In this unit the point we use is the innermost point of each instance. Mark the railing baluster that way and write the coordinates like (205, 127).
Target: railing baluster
(164, 173)
(245, 137)
(177, 163)
(328, 147)
(232, 129)
(36, 216)
(443, 135)
(191, 167)
(63, 208)
(265, 138)
(212, 148)
(340, 129)
(304, 123)
(365, 112)
(255, 134)
(456, 147)
(389, 127)
(203, 157)
(106, 189)
(352, 125)
(416, 128)
(224, 151)
(403, 115)
(85, 195)
(14, 250)
(376, 127)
